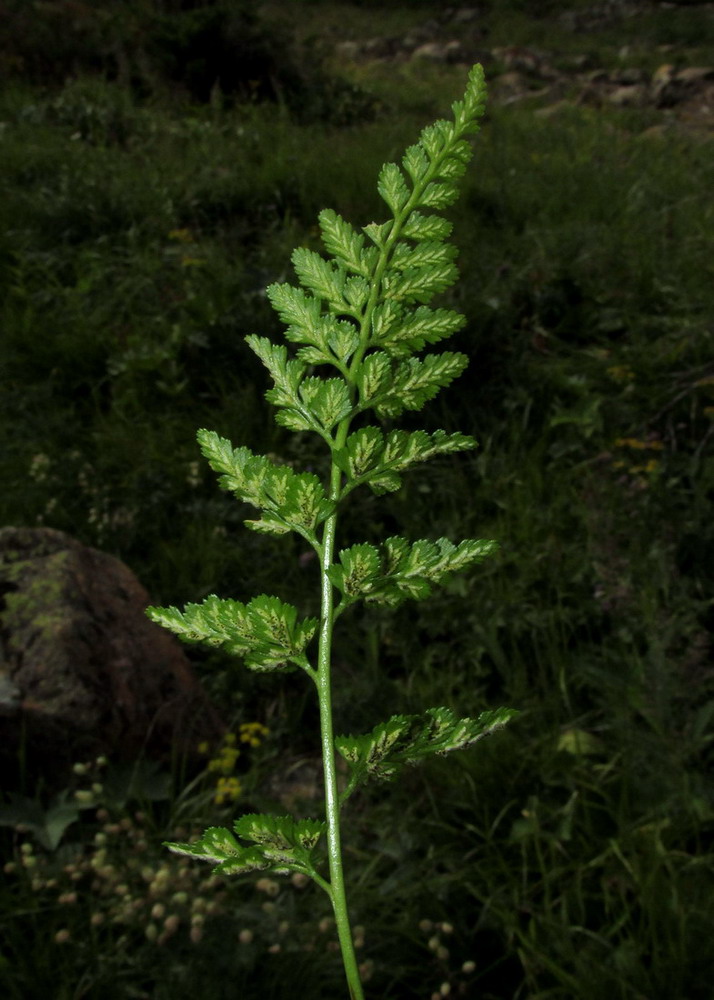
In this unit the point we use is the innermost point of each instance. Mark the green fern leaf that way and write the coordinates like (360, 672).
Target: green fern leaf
(379, 233)
(439, 194)
(300, 312)
(279, 831)
(360, 566)
(216, 845)
(266, 632)
(428, 253)
(290, 500)
(414, 382)
(419, 284)
(392, 187)
(426, 227)
(329, 400)
(418, 327)
(375, 459)
(401, 570)
(409, 739)
(357, 291)
(374, 378)
(342, 241)
(416, 163)
(321, 277)
(280, 844)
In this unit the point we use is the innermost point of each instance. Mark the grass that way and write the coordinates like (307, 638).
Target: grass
(569, 858)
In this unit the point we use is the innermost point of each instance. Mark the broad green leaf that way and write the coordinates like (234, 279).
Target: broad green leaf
(409, 739)
(47, 826)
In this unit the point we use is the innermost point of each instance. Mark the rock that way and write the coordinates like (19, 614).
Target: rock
(629, 75)
(578, 63)
(379, 48)
(669, 86)
(694, 75)
(633, 96)
(597, 76)
(508, 85)
(523, 60)
(600, 15)
(664, 73)
(446, 52)
(508, 88)
(463, 15)
(419, 34)
(347, 50)
(82, 670)
(551, 110)
(662, 90)
(656, 132)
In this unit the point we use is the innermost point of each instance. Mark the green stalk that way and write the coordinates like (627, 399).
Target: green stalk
(332, 800)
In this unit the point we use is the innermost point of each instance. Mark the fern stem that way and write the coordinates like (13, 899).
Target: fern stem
(332, 799)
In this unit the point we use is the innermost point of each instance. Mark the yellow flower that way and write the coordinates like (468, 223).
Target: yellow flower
(636, 445)
(621, 373)
(225, 761)
(227, 789)
(252, 733)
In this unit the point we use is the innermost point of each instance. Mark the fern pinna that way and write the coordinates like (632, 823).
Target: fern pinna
(363, 313)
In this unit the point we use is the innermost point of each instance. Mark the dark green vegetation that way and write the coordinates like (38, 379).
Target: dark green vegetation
(140, 226)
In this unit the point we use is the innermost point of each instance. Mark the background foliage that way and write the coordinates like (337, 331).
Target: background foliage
(146, 204)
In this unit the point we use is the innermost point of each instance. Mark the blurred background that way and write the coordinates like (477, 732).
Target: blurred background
(159, 161)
